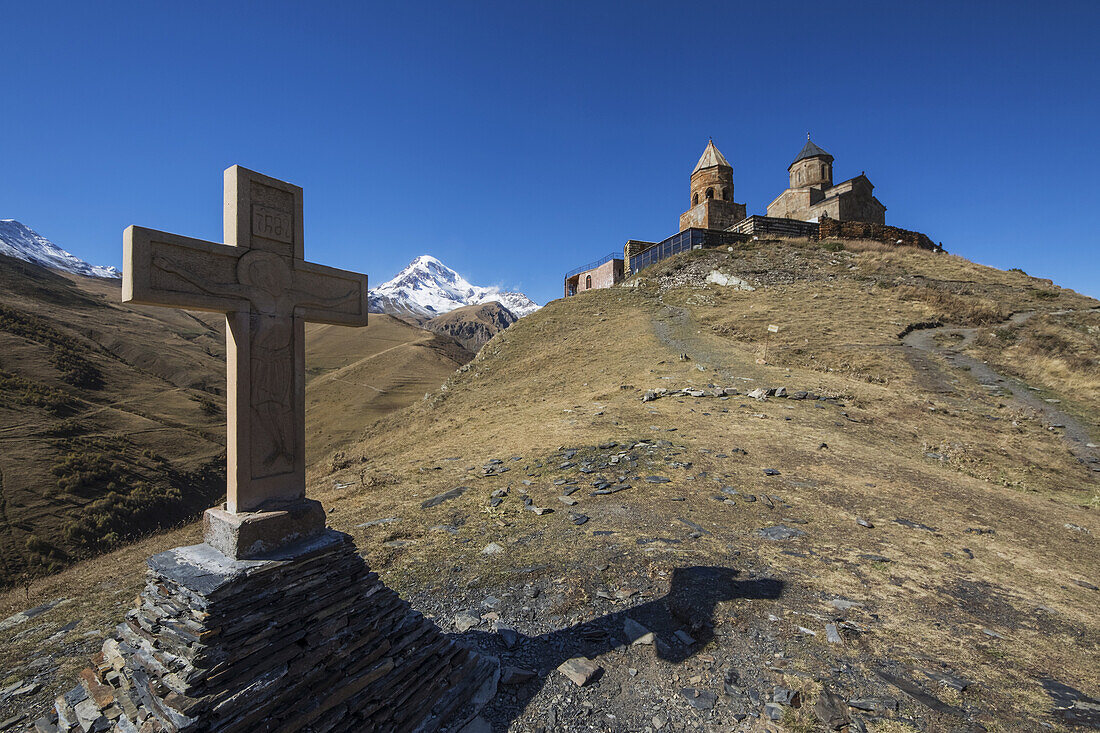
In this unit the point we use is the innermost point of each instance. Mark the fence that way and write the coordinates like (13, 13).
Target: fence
(593, 265)
(682, 242)
(757, 225)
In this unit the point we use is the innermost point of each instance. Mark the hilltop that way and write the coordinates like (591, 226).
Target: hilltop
(892, 522)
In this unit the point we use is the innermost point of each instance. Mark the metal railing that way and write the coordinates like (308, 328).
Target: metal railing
(593, 265)
(682, 242)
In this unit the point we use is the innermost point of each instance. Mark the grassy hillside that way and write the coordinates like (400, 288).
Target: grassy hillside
(937, 521)
(112, 417)
(356, 375)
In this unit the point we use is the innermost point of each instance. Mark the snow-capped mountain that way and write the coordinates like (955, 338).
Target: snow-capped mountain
(20, 241)
(427, 287)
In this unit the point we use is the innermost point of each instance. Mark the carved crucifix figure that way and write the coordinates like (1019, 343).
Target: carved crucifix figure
(260, 280)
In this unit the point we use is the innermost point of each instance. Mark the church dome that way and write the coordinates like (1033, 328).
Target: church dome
(809, 150)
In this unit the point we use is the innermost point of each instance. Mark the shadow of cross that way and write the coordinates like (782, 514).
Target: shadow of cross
(689, 607)
(260, 280)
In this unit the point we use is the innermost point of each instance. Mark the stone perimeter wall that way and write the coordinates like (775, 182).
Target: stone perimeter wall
(834, 229)
(315, 643)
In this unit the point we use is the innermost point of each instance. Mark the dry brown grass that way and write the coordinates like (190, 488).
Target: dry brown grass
(572, 375)
(1059, 353)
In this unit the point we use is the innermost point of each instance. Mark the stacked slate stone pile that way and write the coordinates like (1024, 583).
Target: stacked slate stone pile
(314, 642)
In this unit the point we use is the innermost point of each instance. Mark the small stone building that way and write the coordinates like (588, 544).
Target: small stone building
(712, 205)
(603, 273)
(813, 197)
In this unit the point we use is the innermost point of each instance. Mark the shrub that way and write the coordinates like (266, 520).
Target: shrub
(66, 353)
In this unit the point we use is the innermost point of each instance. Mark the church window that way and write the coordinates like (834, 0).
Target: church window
(710, 193)
(587, 282)
(695, 199)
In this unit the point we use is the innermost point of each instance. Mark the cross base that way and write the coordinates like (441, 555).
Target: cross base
(307, 640)
(261, 534)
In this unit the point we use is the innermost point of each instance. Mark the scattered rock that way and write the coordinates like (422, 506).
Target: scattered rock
(915, 525)
(1072, 706)
(949, 680)
(831, 710)
(699, 699)
(578, 519)
(832, 635)
(786, 696)
(466, 620)
(864, 523)
(772, 711)
(568, 501)
(657, 480)
(445, 496)
(492, 549)
(515, 676)
(779, 532)
(771, 472)
(876, 705)
(581, 670)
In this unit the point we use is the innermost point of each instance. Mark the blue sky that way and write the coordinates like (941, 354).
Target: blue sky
(515, 141)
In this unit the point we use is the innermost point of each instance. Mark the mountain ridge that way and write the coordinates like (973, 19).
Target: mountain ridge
(21, 242)
(426, 288)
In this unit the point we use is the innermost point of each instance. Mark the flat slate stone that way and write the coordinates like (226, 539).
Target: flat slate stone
(699, 699)
(204, 570)
(779, 532)
(581, 670)
(445, 496)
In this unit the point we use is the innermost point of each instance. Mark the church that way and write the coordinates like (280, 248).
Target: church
(811, 207)
(812, 195)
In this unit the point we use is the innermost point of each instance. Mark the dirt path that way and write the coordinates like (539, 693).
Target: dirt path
(923, 343)
(678, 331)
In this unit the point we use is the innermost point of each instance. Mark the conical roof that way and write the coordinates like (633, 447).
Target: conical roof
(809, 150)
(710, 158)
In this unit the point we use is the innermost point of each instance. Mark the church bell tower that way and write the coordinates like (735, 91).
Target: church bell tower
(712, 205)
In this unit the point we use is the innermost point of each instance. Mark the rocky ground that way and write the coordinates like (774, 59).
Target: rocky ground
(741, 646)
(653, 526)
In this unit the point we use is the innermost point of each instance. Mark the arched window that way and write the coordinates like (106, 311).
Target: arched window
(695, 200)
(800, 176)
(710, 193)
(587, 282)
(723, 194)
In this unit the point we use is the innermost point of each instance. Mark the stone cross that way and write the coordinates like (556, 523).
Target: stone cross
(260, 280)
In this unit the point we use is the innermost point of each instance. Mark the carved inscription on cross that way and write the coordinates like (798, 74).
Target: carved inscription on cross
(260, 280)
